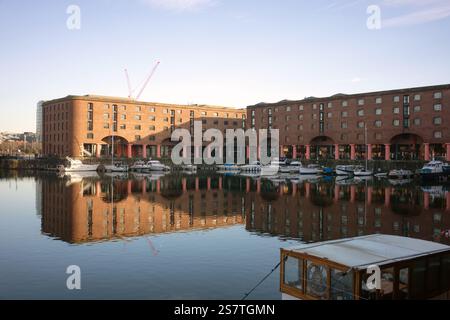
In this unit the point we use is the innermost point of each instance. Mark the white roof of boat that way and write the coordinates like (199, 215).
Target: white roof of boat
(378, 249)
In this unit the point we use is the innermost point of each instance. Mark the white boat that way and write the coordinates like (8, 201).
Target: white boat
(252, 167)
(345, 170)
(140, 166)
(273, 168)
(433, 169)
(310, 169)
(155, 165)
(116, 167)
(400, 174)
(293, 167)
(76, 166)
(362, 172)
(381, 175)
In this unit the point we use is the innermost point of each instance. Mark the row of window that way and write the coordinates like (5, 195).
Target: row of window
(360, 113)
(360, 102)
(168, 111)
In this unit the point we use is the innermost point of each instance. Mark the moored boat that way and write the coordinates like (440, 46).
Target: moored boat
(117, 167)
(345, 170)
(76, 166)
(252, 167)
(433, 170)
(155, 165)
(311, 169)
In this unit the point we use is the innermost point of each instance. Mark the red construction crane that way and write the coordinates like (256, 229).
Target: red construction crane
(130, 90)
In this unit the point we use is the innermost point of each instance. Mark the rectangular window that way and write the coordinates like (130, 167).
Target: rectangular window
(345, 103)
(396, 98)
(137, 138)
(417, 109)
(361, 112)
(123, 117)
(378, 123)
(438, 134)
(152, 118)
(379, 100)
(405, 99)
(293, 273)
(378, 111)
(288, 109)
(344, 114)
(396, 123)
(137, 127)
(344, 125)
(417, 97)
(396, 110)
(152, 128)
(151, 109)
(330, 105)
(438, 95)
(437, 121)
(123, 127)
(417, 121)
(361, 124)
(437, 107)
(138, 109)
(90, 136)
(137, 117)
(106, 126)
(300, 117)
(360, 102)
(301, 108)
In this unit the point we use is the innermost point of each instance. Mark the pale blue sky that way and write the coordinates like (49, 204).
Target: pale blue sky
(223, 52)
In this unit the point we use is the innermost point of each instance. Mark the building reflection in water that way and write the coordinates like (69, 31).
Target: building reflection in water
(105, 209)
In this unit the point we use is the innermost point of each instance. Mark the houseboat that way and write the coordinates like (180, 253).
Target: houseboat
(434, 170)
(405, 268)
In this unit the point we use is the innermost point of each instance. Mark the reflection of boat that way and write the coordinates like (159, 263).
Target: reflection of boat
(344, 180)
(399, 182)
(400, 174)
(77, 177)
(311, 169)
(294, 167)
(359, 179)
(313, 178)
(434, 191)
(433, 170)
(252, 167)
(253, 175)
(381, 175)
(228, 167)
(345, 170)
(77, 166)
(338, 269)
(189, 168)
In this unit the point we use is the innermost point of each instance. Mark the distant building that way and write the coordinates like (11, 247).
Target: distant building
(39, 121)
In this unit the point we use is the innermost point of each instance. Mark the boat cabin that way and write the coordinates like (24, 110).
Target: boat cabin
(343, 269)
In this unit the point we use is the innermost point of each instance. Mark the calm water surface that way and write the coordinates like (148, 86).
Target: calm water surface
(189, 237)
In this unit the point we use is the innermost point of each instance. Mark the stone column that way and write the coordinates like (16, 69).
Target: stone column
(158, 151)
(387, 152)
(308, 152)
(427, 152)
(98, 151)
(369, 152)
(144, 151)
(426, 200)
(447, 148)
(336, 152)
(387, 197)
(352, 152)
(294, 152)
(130, 151)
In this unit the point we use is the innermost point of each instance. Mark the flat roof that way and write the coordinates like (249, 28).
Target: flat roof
(377, 249)
(100, 98)
(350, 96)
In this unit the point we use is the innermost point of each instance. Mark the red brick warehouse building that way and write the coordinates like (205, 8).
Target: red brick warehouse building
(404, 124)
(87, 126)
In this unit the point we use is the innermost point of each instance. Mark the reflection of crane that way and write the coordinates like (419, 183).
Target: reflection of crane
(147, 80)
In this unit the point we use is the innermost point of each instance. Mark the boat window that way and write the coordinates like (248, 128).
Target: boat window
(434, 263)
(418, 279)
(341, 285)
(293, 272)
(317, 280)
(403, 284)
(387, 283)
